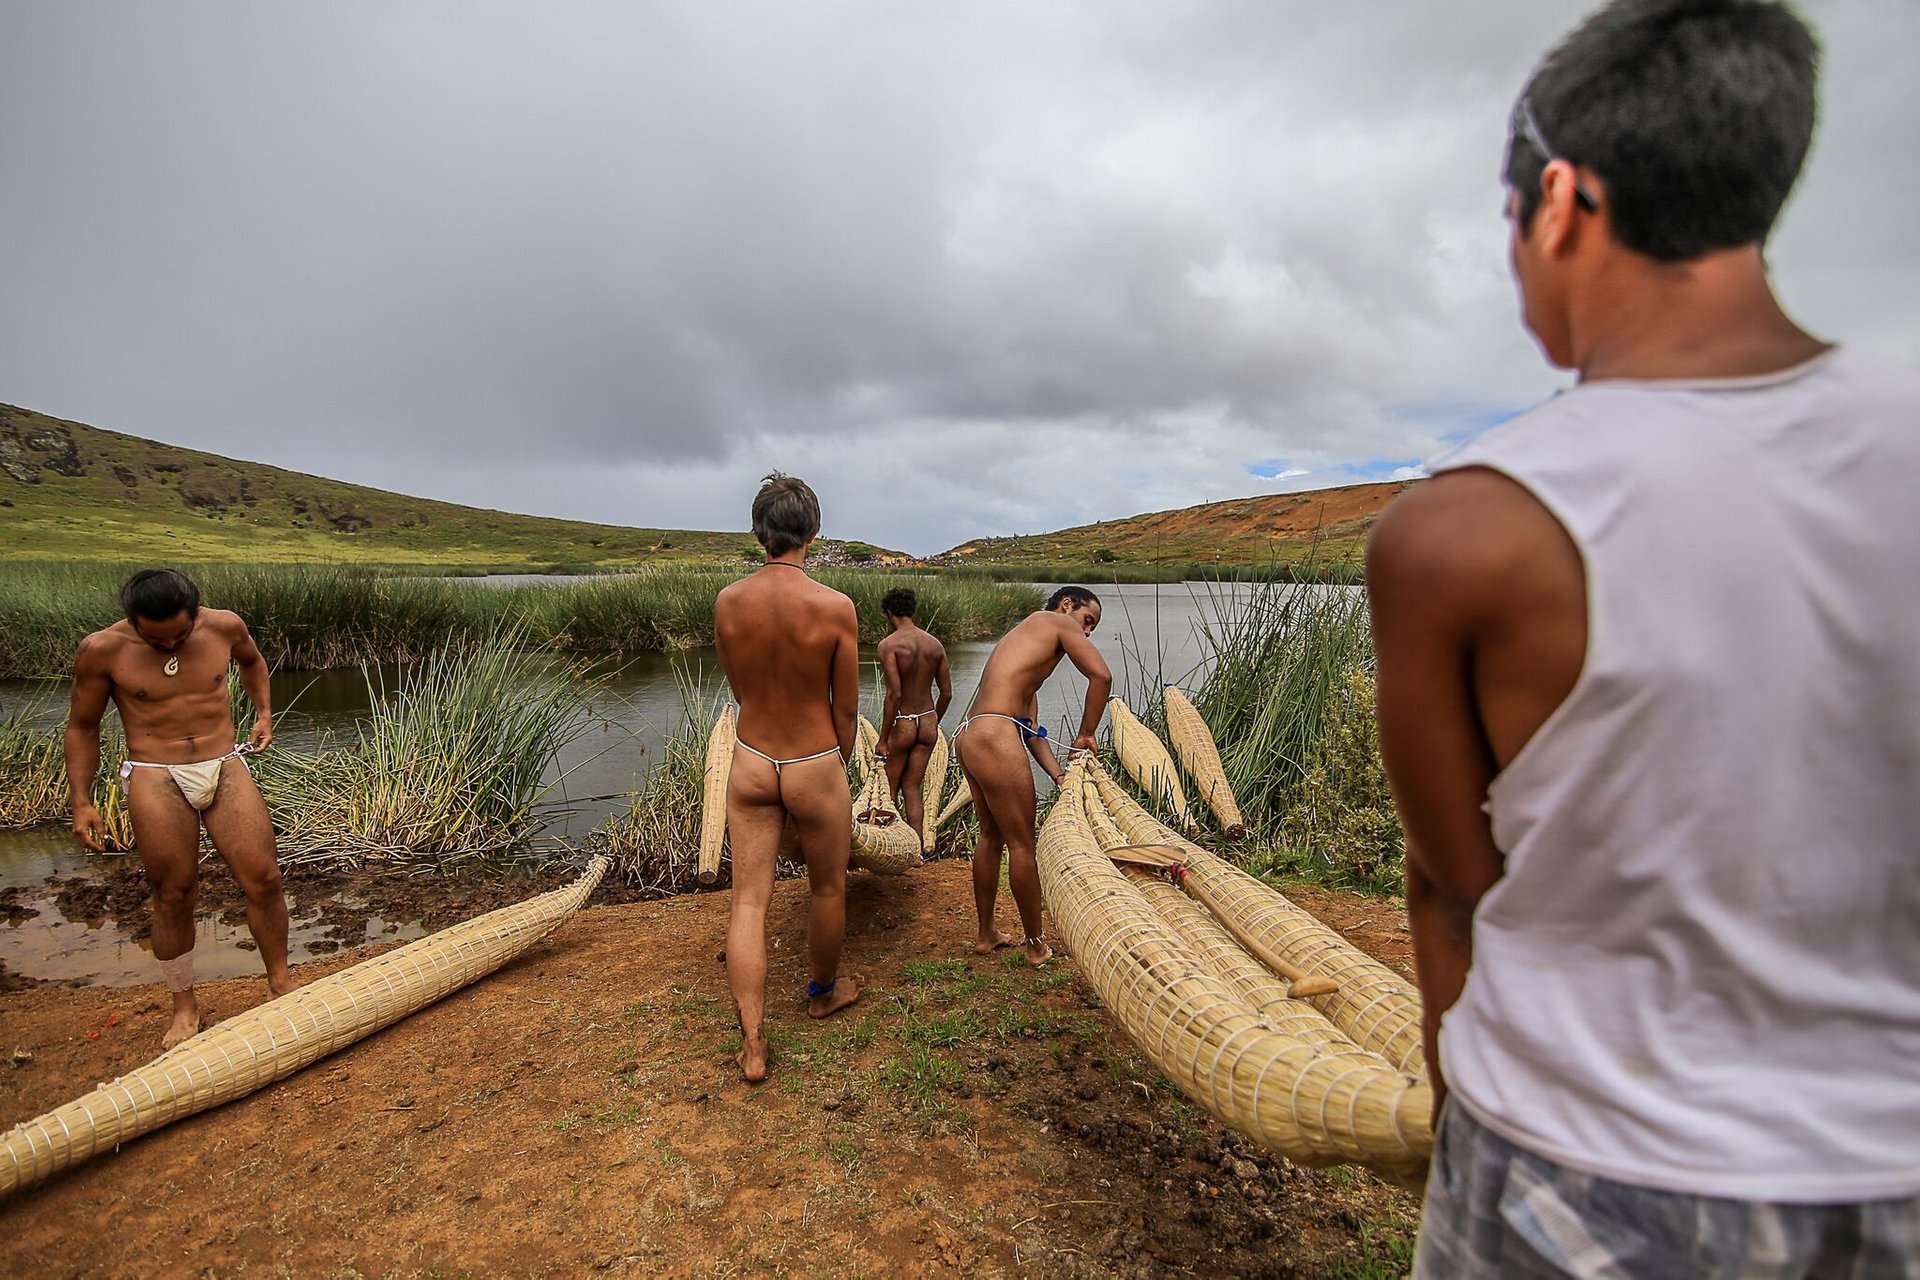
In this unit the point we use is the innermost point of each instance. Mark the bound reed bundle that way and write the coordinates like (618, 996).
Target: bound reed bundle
(1146, 760)
(1307, 1097)
(713, 799)
(883, 843)
(267, 1043)
(1193, 742)
(866, 746)
(962, 797)
(1376, 1007)
(930, 789)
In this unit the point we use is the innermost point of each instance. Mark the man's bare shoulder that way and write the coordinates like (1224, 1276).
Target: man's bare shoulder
(223, 622)
(1470, 524)
(98, 650)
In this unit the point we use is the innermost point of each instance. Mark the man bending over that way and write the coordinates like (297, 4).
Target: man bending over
(790, 648)
(914, 663)
(1001, 729)
(165, 669)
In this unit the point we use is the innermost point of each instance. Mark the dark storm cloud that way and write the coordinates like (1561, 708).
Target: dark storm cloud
(975, 268)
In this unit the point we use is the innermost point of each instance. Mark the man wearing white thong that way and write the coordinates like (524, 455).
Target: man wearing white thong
(165, 670)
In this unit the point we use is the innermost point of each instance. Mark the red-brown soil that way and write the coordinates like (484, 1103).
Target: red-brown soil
(577, 1112)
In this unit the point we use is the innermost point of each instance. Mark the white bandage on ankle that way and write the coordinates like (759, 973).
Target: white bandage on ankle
(179, 971)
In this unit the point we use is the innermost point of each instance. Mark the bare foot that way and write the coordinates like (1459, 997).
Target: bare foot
(752, 1058)
(185, 1024)
(845, 992)
(286, 984)
(991, 942)
(1038, 952)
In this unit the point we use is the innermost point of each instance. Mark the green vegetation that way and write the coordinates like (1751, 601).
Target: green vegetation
(1102, 573)
(77, 493)
(310, 617)
(447, 767)
(655, 844)
(1289, 697)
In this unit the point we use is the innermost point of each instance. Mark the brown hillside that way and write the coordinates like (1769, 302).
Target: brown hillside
(1281, 527)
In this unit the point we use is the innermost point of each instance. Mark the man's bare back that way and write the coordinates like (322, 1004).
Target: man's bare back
(790, 650)
(915, 666)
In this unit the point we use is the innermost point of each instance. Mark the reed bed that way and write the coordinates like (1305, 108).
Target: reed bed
(312, 617)
(654, 844)
(1288, 697)
(450, 766)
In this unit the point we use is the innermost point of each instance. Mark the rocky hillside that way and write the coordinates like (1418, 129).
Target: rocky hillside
(74, 492)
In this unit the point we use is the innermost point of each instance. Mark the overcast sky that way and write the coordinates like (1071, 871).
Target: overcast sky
(967, 267)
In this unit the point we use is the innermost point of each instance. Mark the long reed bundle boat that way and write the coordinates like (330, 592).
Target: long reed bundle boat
(1193, 743)
(931, 787)
(1305, 1077)
(713, 796)
(271, 1041)
(883, 843)
(1146, 760)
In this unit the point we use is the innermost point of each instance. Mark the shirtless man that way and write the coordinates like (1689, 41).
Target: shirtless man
(1004, 719)
(914, 662)
(165, 668)
(790, 648)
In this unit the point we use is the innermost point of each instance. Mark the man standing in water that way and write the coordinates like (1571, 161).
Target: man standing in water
(1649, 699)
(1001, 728)
(790, 649)
(914, 663)
(165, 669)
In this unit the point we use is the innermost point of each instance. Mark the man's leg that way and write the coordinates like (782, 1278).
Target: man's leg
(986, 765)
(815, 793)
(243, 835)
(754, 822)
(166, 832)
(897, 742)
(912, 803)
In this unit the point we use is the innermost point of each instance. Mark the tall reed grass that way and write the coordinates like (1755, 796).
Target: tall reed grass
(1288, 695)
(655, 842)
(451, 766)
(312, 617)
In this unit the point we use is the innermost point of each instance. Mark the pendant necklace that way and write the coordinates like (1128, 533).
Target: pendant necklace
(173, 666)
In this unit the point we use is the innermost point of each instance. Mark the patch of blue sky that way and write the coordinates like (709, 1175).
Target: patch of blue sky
(1274, 469)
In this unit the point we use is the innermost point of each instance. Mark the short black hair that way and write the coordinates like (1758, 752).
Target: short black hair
(786, 513)
(1074, 596)
(1696, 114)
(899, 602)
(159, 594)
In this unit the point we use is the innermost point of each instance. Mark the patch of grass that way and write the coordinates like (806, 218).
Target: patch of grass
(1385, 1252)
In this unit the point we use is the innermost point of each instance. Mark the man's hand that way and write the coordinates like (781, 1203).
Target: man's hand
(1084, 743)
(262, 736)
(87, 825)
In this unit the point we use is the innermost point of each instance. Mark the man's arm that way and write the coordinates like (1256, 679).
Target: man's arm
(1425, 583)
(945, 677)
(846, 678)
(1099, 681)
(889, 705)
(91, 688)
(257, 680)
(1038, 748)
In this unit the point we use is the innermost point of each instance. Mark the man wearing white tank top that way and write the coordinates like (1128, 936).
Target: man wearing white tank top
(1649, 698)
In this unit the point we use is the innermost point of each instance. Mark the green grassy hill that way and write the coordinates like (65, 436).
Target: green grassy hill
(1326, 525)
(74, 492)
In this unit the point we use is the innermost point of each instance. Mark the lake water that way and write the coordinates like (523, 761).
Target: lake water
(1150, 634)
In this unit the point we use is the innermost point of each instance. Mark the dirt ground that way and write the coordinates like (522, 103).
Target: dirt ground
(578, 1112)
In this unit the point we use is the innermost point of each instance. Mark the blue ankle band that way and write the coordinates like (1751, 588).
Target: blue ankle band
(817, 989)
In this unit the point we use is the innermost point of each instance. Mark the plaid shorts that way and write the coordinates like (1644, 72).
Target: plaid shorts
(1494, 1209)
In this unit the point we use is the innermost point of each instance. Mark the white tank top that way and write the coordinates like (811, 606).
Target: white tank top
(1701, 970)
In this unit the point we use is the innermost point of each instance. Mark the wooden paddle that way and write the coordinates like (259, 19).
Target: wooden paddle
(1168, 860)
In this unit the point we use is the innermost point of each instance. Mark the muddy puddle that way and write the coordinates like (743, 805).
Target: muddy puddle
(66, 916)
